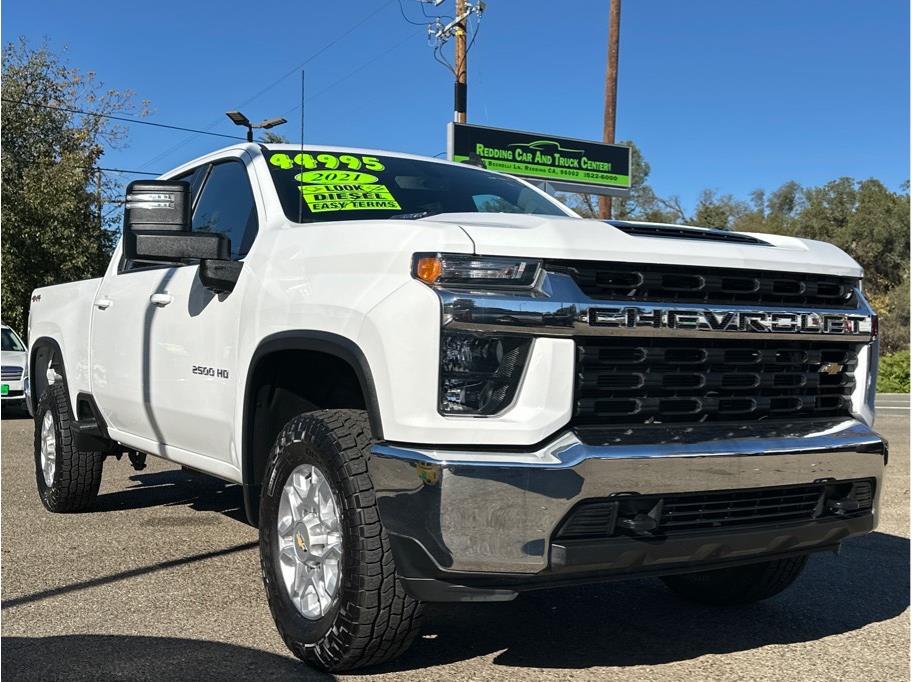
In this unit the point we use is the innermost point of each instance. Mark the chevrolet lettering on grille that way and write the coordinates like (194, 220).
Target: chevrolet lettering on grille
(763, 322)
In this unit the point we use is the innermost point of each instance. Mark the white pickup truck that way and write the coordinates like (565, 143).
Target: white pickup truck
(438, 383)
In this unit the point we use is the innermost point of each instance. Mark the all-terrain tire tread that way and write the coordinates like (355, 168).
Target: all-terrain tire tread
(383, 619)
(78, 473)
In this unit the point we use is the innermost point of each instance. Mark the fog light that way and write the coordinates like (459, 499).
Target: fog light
(480, 374)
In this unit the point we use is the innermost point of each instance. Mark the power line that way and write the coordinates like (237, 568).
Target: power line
(119, 118)
(457, 27)
(168, 151)
(316, 54)
(354, 71)
(405, 16)
(129, 172)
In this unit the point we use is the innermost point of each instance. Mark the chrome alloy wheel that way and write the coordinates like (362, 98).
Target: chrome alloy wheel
(48, 448)
(310, 541)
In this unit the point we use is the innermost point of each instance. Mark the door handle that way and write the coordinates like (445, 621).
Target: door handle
(103, 303)
(161, 299)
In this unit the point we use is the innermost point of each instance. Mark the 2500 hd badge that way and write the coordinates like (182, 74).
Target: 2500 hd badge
(210, 371)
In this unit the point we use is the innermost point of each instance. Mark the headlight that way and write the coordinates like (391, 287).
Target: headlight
(458, 270)
(479, 374)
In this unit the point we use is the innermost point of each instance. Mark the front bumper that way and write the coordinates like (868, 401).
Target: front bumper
(14, 392)
(454, 516)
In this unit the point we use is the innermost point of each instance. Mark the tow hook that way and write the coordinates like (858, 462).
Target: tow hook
(643, 524)
(846, 505)
(137, 459)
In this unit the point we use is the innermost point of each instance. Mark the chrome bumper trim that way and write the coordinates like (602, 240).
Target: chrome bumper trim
(559, 308)
(495, 511)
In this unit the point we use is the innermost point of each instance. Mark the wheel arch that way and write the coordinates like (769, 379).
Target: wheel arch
(44, 353)
(336, 346)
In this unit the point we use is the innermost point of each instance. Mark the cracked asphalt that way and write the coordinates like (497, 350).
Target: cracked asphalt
(161, 581)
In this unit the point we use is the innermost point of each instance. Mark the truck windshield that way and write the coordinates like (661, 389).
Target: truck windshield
(10, 340)
(336, 185)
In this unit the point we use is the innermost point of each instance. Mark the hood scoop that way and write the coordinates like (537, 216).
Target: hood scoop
(677, 232)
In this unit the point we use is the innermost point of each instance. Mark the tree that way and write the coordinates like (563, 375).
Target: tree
(641, 204)
(53, 230)
(720, 211)
(893, 309)
(270, 137)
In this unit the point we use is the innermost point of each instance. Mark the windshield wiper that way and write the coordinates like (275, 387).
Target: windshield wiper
(414, 216)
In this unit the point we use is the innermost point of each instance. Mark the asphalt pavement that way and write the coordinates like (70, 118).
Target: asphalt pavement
(161, 581)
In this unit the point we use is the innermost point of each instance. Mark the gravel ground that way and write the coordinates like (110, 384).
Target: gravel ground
(162, 581)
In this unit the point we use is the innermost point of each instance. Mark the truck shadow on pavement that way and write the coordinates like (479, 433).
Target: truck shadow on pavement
(174, 488)
(640, 622)
(620, 624)
(105, 657)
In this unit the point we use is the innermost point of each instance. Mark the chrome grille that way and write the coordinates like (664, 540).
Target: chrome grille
(10, 373)
(687, 284)
(622, 381)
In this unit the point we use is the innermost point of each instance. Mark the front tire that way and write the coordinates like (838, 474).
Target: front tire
(67, 479)
(740, 584)
(326, 559)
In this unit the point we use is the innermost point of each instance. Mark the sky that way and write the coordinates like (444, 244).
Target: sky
(732, 96)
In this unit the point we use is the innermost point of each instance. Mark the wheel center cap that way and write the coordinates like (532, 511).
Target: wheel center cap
(301, 542)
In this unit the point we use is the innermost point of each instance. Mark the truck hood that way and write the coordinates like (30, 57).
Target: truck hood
(505, 234)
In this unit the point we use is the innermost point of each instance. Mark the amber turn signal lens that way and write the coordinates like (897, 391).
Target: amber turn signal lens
(428, 269)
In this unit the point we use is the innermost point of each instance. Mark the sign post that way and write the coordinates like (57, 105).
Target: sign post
(565, 164)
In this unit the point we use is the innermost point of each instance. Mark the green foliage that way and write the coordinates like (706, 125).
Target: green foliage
(892, 306)
(270, 137)
(894, 373)
(642, 204)
(715, 210)
(52, 229)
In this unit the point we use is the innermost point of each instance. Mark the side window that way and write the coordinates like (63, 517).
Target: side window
(195, 178)
(489, 203)
(226, 205)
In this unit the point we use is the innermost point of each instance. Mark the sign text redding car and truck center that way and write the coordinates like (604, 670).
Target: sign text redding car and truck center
(565, 163)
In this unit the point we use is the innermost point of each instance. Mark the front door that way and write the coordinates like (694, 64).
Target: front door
(180, 390)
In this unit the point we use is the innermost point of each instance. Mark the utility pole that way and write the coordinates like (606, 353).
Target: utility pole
(611, 85)
(460, 104)
(458, 27)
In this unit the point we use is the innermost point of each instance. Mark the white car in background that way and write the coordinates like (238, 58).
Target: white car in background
(13, 365)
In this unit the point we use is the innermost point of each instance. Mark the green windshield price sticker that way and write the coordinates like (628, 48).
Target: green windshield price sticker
(4, 389)
(315, 160)
(321, 198)
(337, 176)
(334, 182)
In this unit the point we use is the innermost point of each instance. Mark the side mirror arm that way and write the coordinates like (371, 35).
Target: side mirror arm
(219, 276)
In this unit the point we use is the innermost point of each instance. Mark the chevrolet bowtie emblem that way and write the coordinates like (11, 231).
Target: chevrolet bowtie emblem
(830, 368)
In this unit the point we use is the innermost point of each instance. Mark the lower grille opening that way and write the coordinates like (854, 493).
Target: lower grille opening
(657, 516)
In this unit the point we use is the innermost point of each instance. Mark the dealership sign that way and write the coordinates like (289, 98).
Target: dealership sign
(565, 164)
